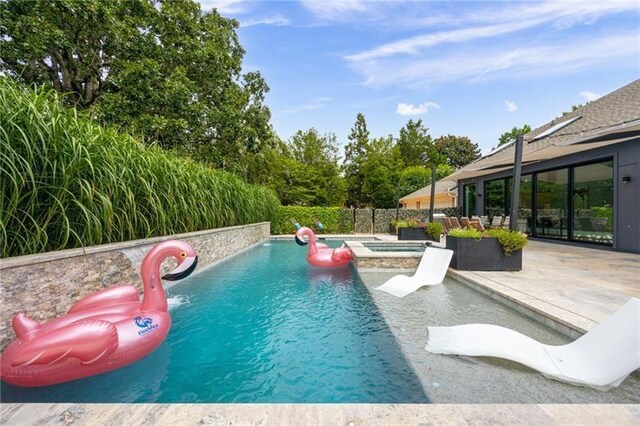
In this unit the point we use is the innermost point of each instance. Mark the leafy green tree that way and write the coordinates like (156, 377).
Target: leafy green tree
(412, 143)
(304, 171)
(355, 156)
(159, 69)
(380, 172)
(417, 177)
(459, 150)
(511, 135)
(319, 156)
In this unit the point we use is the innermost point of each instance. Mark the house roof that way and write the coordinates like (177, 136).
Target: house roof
(442, 186)
(613, 118)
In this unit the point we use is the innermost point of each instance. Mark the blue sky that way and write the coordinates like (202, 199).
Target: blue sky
(471, 69)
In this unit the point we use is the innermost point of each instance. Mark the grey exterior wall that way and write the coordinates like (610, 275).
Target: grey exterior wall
(626, 197)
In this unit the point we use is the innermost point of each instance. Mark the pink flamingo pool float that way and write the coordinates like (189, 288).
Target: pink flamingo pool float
(101, 332)
(322, 256)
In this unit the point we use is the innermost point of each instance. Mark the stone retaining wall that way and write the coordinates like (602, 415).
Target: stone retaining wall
(46, 285)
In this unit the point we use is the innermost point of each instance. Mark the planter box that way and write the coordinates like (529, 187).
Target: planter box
(482, 255)
(414, 234)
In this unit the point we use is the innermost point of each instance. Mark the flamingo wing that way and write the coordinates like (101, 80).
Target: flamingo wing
(342, 254)
(106, 297)
(88, 341)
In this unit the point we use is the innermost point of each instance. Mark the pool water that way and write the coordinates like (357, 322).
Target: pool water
(263, 326)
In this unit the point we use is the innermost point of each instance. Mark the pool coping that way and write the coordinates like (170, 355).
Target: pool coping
(319, 414)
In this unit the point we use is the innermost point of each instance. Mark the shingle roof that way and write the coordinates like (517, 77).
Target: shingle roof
(603, 115)
(441, 186)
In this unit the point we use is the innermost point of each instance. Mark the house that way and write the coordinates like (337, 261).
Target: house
(580, 176)
(446, 196)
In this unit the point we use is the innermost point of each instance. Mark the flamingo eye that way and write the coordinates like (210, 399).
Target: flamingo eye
(183, 254)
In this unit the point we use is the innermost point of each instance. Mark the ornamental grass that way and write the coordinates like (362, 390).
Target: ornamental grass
(67, 182)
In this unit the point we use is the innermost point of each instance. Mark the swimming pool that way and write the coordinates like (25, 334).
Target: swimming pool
(261, 327)
(264, 326)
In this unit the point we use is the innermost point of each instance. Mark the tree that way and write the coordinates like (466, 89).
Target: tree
(458, 150)
(354, 158)
(510, 136)
(304, 171)
(412, 143)
(318, 154)
(160, 69)
(380, 174)
(417, 177)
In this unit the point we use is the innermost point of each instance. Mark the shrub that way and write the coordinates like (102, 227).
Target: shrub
(67, 182)
(335, 219)
(509, 240)
(434, 230)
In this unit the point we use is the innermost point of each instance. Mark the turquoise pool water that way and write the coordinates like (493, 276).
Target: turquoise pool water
(261, 327)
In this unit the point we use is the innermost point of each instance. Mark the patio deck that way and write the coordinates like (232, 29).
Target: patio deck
(575, 286)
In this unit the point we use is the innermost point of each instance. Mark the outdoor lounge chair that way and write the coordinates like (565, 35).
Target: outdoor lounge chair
(464, 221)
(454, 222)
(505, 222)
(447, 224)
(431, 271)
(496, 222)
(600, 359)
(484, 220)
(475, 223)
(295, 223)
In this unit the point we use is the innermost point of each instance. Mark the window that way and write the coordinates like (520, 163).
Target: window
(469, 199)
(494, 198)
(552, 204)
(593, 202)
(417, 204)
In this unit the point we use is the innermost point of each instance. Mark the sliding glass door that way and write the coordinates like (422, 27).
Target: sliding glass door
(593, 202)
(552, 204)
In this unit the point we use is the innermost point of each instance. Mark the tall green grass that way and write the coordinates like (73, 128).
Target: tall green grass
(67, 182)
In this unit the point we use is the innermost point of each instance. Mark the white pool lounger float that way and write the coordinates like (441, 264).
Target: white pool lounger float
(600, 359)
(431, 271)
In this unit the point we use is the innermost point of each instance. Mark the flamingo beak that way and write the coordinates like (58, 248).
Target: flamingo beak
(184, 269)
(300, 241)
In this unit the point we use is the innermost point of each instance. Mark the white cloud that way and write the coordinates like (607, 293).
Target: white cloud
(340, 10)
(589, 96)
(317, 103)
(224, 7)
(410, 109)
(511, 106)
(277, 20)
(556, 57)
(493, 23)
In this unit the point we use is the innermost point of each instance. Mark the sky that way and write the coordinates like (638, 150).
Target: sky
(472, 69)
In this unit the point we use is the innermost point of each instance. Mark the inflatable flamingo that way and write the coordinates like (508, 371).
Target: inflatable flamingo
(322, 257)
(101, 332)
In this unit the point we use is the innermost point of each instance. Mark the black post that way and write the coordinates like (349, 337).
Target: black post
(397, 201)
(432, 201)
(515, 195)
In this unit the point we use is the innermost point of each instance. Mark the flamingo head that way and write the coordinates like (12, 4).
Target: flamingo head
(187, 260)
(301, 233)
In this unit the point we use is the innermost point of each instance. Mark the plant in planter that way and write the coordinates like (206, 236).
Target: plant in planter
(434, 230)
(411, 229)
(492, 250)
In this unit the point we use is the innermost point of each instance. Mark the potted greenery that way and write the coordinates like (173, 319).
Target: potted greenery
(492, 250)
(414, 229)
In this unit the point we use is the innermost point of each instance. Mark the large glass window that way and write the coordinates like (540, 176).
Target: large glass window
(552, 203)
(593, 202)
(469, 200)
(525, 204)
(494, 198)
